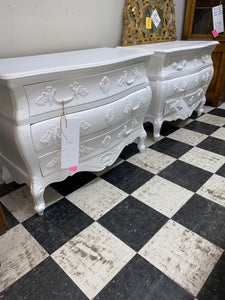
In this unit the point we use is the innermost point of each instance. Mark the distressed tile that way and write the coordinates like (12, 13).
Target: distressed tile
(141, 280)
(133, 222)
(214, 287)
(214, 189)
(21, 205)
(205, 218)
(97, 197)
(204, 159)
(187, 136)
(171, 147)
(129, 151)
(218, 112)
(10, 219)
(220, 133)
(213, 144)
(212, 119)
(72, 183)
(221, 171)
(92, 258)
(207, 108)
(17, 255)
(60, 222)
(127, 176)
(167, 128)
(151, 160)
(186, 175)
(8, 188)
(201, 127)
(181, 123)
(182, 255)
(163, 195)
(45, 281)
(116, 163)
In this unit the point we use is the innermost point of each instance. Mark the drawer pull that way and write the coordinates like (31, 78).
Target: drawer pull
(179, 66)
(125, 81)
(125, 131)
(49, 95)
(177, 90)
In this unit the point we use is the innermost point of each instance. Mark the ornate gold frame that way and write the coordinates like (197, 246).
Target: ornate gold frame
(135, 14)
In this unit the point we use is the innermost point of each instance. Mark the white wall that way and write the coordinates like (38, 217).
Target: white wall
(30, 27)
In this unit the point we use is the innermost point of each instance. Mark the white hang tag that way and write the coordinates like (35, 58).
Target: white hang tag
(217, 13)
(182, 109)
(70, 144)
(155, 18)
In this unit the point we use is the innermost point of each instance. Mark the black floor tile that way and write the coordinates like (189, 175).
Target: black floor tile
(195, 115)
(46, 281)
(133, 222)
(8, 188)
(139, 280)
(60, 222)
(205, 218)
(185, 175)
(214, 287)
(171, 147)
(167, 128)
(221, 171)
(214, 145)
(129, 151)
(72, 183)
(218, 112)
(10, 219)
(127, 177)
(201, 127)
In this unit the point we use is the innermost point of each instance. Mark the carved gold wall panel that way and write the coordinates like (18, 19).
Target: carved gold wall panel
(135, 14)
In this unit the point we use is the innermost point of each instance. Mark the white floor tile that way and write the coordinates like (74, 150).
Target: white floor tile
(19, 253)
(204, 159)
(151, 160)
(20, 202)
(92, 258)
(219, 133)
(212, 119)
(163, 195)
(182, 255)
(214, 189)
(187, 136)
(97, 197)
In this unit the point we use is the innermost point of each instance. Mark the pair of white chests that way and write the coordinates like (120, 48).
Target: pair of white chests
(111, 91)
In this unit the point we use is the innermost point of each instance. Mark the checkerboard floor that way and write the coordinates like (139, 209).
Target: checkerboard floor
(152, 226)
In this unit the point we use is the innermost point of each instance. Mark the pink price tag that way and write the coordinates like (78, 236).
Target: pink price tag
(215, 33)
(73, 169)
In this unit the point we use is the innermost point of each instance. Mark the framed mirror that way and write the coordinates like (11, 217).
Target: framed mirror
(148, 21)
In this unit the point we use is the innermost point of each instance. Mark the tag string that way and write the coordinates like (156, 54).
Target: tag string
(61, 119)
(184, 93)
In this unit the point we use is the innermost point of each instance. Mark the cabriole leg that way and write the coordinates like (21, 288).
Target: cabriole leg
(157, 127)
(141, 141)
(37, 191)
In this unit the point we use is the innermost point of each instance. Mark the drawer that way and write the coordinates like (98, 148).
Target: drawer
(187, 83)
(47, 134)
(188, 61)
(192, 100)
(48, 96)
(99, 151)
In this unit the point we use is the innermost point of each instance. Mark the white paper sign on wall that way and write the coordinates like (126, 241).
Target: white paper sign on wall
(70, 144)
(217, 13)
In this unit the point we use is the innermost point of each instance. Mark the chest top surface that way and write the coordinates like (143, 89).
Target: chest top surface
(19, 67)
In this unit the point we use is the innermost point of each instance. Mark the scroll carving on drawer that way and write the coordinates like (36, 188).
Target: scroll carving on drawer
(126, 81)
(48, 96)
